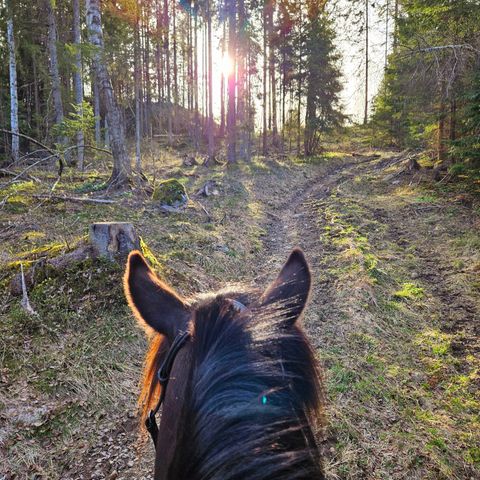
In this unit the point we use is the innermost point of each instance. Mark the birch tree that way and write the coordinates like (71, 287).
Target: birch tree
(13, 88)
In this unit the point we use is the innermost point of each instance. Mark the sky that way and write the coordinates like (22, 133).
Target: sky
(351, 45)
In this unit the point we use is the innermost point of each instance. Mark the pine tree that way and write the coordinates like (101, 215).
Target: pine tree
(322, 77)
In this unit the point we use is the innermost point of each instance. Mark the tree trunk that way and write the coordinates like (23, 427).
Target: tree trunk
(54, 73)
(77, 80)
(36, 96)
(272, 72)
(137, 81)
(96, 110)
(395, 26)
(211, 146)
(13, 90)
(175, 67)
(222, 86)
(231, 114)
(264, 133)
(365, 116)
(242, 72)
(195, 83)
(166, 49)
(441, 148)
(310, 116)
(121, 162)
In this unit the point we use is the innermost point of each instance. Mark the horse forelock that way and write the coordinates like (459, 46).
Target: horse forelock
(255, 392)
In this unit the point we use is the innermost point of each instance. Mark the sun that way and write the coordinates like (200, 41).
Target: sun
(226, 65)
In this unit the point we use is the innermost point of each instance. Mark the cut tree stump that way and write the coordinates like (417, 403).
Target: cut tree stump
(113, 240)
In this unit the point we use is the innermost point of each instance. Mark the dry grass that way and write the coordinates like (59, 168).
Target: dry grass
(395, 268)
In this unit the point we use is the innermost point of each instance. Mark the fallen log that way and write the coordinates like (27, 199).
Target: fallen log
(74, 199)
(43, 268)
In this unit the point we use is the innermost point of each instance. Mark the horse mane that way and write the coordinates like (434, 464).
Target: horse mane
(254, 392)
(254, 398)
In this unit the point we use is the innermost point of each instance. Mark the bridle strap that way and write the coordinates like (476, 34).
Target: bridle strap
(163, 376)
(164, 371)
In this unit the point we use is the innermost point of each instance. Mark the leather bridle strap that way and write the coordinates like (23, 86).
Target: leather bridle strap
(163, 376)
(164, 371)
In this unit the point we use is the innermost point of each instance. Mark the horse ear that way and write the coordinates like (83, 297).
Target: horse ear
(153, 302)
(289, 292)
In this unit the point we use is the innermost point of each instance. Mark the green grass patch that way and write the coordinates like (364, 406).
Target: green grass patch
(409, 291)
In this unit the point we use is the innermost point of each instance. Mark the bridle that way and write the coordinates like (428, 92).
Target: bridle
(163, 376)
(165, 370)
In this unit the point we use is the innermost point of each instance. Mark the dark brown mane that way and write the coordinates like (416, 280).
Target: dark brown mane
(239, 359)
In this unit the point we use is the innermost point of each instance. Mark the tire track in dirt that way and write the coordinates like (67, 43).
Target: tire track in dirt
(295, 222)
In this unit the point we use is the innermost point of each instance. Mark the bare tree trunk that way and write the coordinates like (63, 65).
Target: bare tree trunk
(441, 147)
(54, 73)
(395, 27)
(148, 84)
(166, 47)
(222, 87)
(96, 110)
(195, 82)
(159, 60)
(137, 81)
(78, 81)
(264, 133)
(365, 117)
(211, 146)
(121, 162)
(272, 72)
(242, 72)
(13, 89)
(231, 114)
(36, 96)
(175, 67)
(387, 20)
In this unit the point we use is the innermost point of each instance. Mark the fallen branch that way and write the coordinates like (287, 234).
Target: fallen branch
(205, 210)
(40, 144)
(17, 176)
(43, 269)
(25, 303)
(74, 199)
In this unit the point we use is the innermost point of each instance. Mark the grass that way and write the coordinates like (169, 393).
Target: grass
(409, 291)
(396, 365)
(400, 398)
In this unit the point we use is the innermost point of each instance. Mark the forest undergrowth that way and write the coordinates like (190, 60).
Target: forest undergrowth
(394, 314)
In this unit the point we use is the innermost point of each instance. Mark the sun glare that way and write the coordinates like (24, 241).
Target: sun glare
(226, 65)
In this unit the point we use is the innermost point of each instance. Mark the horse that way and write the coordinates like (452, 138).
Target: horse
(245, 396)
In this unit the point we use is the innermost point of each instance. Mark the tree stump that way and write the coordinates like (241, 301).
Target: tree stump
(113, 240)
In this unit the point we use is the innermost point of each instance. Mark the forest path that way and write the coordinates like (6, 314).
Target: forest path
(394, 315)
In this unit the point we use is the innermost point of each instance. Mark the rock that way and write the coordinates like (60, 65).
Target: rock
(113, 240)
(170, 193)
(209, 188)
(189, 161)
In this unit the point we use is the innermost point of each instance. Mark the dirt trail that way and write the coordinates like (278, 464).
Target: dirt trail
(365, 238)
